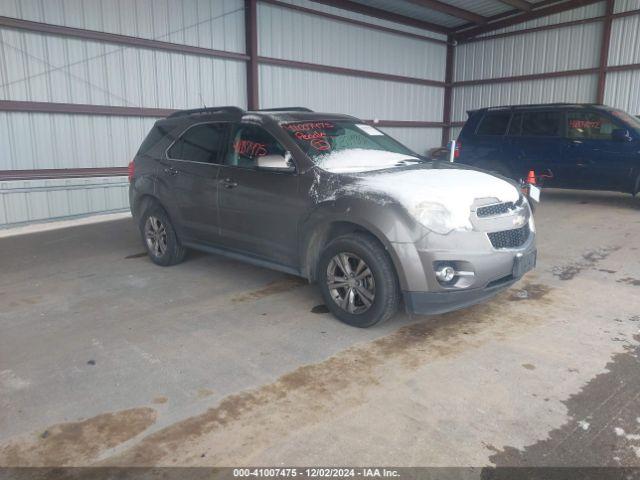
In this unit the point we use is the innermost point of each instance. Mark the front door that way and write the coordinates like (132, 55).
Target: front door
(191, 168)
(259, 209)
(598, 160)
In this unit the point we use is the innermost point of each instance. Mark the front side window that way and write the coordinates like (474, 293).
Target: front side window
(250, 142)
(589, 125)
(541, 124)
(494, 124)
(347, 146)
(200, 143)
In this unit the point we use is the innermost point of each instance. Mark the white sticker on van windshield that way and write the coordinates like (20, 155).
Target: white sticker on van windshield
(369, 130)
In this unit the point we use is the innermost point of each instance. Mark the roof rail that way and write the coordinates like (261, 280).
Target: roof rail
(542, 105)
(184, 113)
(285, 109)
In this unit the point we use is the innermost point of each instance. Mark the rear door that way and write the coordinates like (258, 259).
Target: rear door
(537, 142)
(259, 209)
(190, 168)
(598, 160)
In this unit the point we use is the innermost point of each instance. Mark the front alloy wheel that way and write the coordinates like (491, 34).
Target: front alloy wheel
(351, 283)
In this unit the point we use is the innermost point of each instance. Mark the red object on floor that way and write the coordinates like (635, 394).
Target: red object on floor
(531, 178)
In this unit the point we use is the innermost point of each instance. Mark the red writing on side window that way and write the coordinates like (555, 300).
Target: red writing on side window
(584, 124)
(305, 127)
(249, 148)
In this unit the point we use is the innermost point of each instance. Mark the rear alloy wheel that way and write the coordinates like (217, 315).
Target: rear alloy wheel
(358, 280)
(160, 237)
(155, 235)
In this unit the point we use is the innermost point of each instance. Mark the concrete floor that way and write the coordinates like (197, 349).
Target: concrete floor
(108, 359)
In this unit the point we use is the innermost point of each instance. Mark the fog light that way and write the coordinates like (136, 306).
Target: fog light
(445, 273)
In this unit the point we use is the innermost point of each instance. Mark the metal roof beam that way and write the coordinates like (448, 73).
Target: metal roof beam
(384, 15)
(451, 10)
(462, 34)
(519, 4)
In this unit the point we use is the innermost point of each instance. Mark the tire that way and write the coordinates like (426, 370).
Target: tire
(378, 276)
(159, 237)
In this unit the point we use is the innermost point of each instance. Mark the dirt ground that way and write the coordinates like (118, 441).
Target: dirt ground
(106, 359)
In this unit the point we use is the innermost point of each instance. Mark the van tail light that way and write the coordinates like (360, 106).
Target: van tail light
(456, 152)
(131, 170)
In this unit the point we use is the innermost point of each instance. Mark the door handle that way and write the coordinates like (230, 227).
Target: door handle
(228, 183)
(171, 171)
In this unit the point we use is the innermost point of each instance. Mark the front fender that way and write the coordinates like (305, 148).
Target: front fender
(382, 217)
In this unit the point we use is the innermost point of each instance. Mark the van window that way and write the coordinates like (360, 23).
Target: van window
(494, 124)
(541, 124)
(200, 143)
(589, 125)
(250, 142)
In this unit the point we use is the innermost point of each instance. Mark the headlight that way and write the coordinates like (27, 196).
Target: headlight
(440, 219)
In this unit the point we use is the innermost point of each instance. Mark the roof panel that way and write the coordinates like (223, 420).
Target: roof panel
(486, 8)
(409, 9)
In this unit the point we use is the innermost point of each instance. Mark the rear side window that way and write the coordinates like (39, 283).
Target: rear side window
(153, 138)
(494, 124)
(200, 143)
(589, 125)
(541, 124)
(515, 128)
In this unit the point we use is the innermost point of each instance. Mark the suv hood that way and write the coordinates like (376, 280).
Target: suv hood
(439, 198)
(361, 160)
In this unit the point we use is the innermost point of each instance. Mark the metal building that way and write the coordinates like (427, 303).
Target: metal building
(82, 81)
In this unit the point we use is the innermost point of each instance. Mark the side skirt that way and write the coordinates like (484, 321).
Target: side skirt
(243, 257)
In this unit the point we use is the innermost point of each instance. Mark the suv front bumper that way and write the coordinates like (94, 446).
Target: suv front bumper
(489, 269)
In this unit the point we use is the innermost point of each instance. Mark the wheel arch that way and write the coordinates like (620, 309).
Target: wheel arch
(323, 233)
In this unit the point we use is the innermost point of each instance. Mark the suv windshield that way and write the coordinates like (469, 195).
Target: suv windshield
(348, 146)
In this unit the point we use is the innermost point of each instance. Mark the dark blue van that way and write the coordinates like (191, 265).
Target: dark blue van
(571, 145)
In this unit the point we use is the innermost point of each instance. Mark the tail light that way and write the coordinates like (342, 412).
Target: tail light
(456, 152)
(131, 170)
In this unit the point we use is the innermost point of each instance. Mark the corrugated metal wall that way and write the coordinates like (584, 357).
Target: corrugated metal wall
(41, 67)
(49, 68)
(623, 88)
(299, 36)
(560, 49)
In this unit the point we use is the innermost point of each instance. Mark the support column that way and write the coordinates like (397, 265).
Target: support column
(448, 91)
(251, 48)
(604, 51)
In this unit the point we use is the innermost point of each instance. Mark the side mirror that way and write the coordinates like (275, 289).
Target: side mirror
(276, 163)
(621, 135)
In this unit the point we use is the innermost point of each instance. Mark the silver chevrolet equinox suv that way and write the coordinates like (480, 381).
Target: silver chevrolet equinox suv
(334, 200)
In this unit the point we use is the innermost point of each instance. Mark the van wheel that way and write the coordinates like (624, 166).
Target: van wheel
(496, 167)
(160, 237)
(358, 281)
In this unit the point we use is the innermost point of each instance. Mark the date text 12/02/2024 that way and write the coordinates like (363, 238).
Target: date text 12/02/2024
(315, 472)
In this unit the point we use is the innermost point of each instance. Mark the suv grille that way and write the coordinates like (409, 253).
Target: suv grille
(497, 209)
(509, 238)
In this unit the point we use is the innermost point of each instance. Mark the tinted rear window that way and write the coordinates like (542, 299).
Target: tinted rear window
(494, 124)
(153, 138)
(541, 124)
(200, 143)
